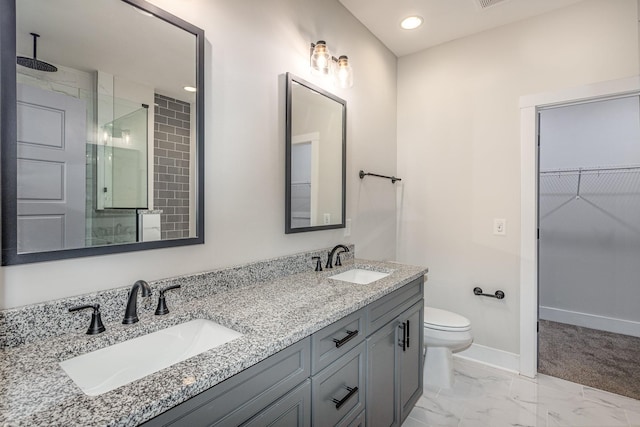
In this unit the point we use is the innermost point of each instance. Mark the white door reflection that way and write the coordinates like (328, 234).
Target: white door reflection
(304, 179)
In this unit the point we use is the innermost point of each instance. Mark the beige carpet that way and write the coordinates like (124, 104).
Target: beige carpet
(590, 357)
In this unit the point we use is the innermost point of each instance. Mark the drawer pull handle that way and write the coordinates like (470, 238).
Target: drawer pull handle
(408, 330)
(343, 341)
(403, 343)
(341, 402)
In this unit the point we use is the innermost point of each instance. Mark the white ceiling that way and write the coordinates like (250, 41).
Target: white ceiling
(445, 20)
(110, 36)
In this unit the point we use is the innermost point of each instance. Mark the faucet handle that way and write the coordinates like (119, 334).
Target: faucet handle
(338, 261)
(96, 326)
(318, 263)
(162, 303)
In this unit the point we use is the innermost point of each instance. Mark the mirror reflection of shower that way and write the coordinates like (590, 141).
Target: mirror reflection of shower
(123, 165)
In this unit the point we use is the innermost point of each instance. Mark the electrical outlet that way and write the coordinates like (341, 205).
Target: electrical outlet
(499, 227)
(347, 227)
(327, 219)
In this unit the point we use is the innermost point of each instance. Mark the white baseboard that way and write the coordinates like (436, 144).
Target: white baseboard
(491, 356)
(602, 323)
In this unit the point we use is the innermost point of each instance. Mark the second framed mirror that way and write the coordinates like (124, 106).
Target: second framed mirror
(316, 128)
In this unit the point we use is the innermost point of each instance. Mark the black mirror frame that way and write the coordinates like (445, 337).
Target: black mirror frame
(8, 152)
(290, 78)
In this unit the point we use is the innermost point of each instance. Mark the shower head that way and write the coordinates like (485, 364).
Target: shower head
(34, 62)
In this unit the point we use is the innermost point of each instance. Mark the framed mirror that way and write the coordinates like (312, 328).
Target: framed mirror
(316, 147)
(102, 126)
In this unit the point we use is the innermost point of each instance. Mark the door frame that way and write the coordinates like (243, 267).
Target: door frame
(529, 106)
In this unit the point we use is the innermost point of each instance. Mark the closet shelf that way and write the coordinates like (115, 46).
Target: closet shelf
(592, 169)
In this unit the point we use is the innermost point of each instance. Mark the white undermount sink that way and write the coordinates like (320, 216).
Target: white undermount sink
(359, 276)
(111, 367)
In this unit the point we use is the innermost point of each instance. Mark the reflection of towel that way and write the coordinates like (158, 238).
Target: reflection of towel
(149, 227)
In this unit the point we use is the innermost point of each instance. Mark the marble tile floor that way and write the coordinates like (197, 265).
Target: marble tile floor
(483, 396)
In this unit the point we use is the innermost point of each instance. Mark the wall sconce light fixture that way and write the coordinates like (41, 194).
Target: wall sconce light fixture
(324, 64)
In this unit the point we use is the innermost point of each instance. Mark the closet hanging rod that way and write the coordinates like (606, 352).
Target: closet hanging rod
(602, 169)
(393, 179)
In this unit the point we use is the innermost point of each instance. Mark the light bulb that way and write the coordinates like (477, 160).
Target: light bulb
(344, 73)
(321, 59)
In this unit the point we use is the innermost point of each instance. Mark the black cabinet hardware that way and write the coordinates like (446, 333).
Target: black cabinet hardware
(342, 401)
(343, 341)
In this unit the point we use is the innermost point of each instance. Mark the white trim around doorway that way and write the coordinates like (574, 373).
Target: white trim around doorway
(529, 106)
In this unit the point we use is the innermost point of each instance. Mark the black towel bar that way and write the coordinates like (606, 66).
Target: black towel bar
(393, 179)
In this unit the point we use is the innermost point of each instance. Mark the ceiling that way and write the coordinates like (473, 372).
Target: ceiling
(112, 37)
(444, 20)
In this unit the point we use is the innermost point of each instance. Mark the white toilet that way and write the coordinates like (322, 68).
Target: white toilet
(444, 333)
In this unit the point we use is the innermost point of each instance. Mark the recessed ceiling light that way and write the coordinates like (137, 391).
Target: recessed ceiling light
(411, 22)
(190, 89)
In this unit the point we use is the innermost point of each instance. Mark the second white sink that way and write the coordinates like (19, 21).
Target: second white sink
(359, 276)
(111, 367)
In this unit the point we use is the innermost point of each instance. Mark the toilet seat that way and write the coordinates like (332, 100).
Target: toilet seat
(443, 320)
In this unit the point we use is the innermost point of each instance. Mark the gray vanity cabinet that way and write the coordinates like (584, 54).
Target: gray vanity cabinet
(395, 356)
(365, 368)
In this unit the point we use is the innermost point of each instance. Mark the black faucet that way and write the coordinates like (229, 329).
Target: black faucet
(131, 313)
(333, 251)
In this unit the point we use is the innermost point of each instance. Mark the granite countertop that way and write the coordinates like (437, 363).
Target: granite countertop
(272, 315)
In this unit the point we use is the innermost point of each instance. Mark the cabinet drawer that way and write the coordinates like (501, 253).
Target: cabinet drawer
(242, 396)
(292, 410)
(338, 392)
(390, 306)
(330, 343)
(358, 421)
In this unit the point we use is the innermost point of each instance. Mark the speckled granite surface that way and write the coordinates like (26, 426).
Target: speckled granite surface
(273, 312)
(50, 319)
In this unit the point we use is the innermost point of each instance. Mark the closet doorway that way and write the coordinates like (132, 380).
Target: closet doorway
(589, 243)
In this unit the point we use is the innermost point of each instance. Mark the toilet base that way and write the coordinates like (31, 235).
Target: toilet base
(438, 367)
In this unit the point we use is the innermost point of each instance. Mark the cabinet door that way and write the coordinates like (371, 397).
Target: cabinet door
(411, 360)
(382, 381)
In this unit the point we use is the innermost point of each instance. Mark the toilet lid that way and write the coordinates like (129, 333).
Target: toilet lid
(436, 318)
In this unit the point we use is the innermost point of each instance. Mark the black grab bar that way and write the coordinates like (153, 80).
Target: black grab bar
(478, 291)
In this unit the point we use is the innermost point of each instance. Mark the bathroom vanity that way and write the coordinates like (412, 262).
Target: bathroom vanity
(367, 365)
(313, 351)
